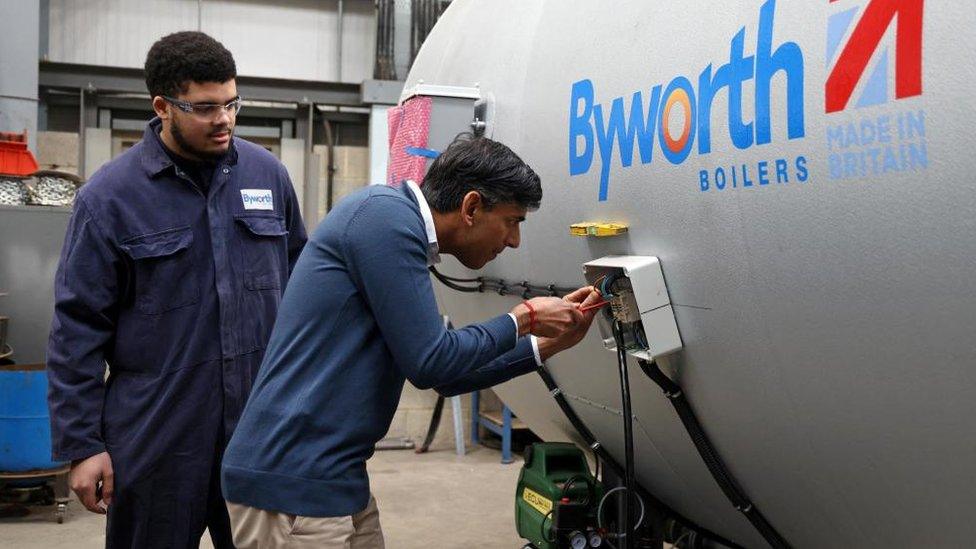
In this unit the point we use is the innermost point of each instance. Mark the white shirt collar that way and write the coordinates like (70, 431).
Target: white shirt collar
(433, 251)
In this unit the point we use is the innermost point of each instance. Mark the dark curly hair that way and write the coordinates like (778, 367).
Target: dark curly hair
(483, 165)
(177, 59)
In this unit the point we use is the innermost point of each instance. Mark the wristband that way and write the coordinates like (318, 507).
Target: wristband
(531, 315)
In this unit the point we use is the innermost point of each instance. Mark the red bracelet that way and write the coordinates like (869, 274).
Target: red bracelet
(531, 315)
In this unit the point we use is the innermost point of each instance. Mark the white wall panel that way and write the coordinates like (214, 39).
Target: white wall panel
(286, 39)
(358, 40)
(114, 32)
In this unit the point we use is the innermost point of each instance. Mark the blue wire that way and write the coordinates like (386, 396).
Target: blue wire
(607, 280)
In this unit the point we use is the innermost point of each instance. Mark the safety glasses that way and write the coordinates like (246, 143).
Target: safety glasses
(206, 110)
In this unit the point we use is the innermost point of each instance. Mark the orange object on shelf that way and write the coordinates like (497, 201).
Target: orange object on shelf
(15, 159)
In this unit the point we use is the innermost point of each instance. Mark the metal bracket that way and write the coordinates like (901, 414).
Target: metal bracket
(484, 112)
(479, 125)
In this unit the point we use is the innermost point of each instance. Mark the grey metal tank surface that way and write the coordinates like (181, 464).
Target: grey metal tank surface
(810, 194)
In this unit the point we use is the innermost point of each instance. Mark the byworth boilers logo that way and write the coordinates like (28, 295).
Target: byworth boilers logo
(889, 138)
(855, 43)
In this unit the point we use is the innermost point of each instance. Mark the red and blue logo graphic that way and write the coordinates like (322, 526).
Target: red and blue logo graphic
(885, 138)
(863, 43)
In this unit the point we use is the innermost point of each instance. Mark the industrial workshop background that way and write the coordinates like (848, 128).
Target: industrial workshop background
(317, 77)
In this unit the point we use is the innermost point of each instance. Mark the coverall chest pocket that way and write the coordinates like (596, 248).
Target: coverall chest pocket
(264, 250)
(164, 278)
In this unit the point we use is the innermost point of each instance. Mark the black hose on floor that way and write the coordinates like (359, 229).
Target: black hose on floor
(599, 451)
(612, 464)
(435, 422)
(710, 456)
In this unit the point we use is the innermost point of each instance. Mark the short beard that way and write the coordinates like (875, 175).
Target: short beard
(180, 139)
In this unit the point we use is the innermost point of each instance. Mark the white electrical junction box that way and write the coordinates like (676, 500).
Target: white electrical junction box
(639, 301)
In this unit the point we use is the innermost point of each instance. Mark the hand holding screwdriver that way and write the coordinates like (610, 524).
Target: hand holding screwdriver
(547, 316)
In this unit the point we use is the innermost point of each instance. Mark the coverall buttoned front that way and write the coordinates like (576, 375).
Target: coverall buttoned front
(175, 288)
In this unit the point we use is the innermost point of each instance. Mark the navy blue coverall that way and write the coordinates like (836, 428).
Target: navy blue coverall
(175, 287)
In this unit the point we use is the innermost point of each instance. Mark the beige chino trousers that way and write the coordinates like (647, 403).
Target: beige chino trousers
(259, 529)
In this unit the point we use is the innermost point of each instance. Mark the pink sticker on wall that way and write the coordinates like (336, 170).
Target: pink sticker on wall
(409, 125)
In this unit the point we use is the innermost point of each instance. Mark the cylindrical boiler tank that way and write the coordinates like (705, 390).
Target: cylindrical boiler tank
(803, 172)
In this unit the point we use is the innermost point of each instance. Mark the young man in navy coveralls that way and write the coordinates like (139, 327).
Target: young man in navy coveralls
(174, 263)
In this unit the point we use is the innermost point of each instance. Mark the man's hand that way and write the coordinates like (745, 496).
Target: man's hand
(581, 298)
(553, 316)
(86, 474)
(585, 296)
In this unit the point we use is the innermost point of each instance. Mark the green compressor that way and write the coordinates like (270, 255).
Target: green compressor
(556, 503)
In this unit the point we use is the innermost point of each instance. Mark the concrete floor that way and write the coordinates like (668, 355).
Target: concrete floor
(431, 500)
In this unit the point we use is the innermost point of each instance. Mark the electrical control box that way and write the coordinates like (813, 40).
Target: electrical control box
(639, 301)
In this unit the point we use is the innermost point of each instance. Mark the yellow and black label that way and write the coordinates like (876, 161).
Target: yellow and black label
(597, 229)
(537, 501)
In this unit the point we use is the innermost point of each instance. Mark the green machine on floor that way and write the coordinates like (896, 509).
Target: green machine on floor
(557, 500)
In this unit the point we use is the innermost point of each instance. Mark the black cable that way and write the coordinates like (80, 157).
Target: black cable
(494, 286)
(710, 456)
(542, 527)
(571, 481)
(612, 464)
(525, 289)
(435, 422)
(445, 281)
(454, 279)
(629, 478)
(601, 452)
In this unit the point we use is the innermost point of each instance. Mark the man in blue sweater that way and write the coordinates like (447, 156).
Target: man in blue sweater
(357, 319)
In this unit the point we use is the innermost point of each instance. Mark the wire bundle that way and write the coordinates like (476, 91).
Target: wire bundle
(483, 284)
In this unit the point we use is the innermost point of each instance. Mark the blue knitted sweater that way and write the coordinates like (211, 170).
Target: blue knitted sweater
(357, 319)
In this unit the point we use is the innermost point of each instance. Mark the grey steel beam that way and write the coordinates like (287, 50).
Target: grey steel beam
(301, 91)
(115, 102)
(346, 117)
(69, 76)
(105, 118)
(339, 10)
(81, 131)
(305, 129)
(89, 113)
(381, 92)
(54, 75)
